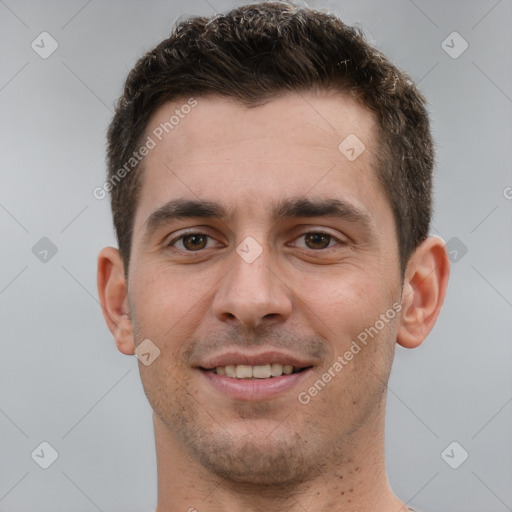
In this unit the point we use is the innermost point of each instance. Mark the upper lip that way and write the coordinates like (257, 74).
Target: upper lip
(255, 359)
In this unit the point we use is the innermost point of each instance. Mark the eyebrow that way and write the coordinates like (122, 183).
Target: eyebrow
(299, 207)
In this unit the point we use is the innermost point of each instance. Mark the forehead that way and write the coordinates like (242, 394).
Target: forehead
(216, 122)
(296, 145)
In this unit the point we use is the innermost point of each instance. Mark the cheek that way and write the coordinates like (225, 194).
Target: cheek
(345, 303)
(163, 302)
(347, 313)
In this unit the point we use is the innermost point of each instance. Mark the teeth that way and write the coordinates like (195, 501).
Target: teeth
(276, 369)
(230, 370)
(261, 372)
(287, 369)
(245, 371)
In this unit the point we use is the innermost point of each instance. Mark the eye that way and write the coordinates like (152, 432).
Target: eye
(191, 242)
(317, 240)
(195, 242)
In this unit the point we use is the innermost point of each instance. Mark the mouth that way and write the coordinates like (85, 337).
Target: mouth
(261, 371)
(254, 377)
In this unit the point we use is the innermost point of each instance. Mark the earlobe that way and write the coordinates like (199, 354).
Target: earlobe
(114, 299)
(424, 291)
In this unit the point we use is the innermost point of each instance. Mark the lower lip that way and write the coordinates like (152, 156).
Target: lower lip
(254, 389)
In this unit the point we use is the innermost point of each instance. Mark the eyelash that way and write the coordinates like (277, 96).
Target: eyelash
(315, 232)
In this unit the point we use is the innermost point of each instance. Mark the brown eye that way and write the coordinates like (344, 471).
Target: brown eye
(195, 242)
(190, 242)
(317, 240)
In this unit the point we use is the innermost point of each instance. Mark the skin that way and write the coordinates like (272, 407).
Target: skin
(310, 296)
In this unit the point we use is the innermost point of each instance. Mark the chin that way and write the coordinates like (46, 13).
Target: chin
(253, 459)
(252, 464)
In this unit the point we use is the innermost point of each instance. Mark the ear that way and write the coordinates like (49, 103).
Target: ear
(114, 299)
(424, 290)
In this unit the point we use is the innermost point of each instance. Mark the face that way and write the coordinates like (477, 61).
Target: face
(260, 247)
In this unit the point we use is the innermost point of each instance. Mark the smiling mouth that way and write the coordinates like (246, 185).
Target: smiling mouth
(265, 371)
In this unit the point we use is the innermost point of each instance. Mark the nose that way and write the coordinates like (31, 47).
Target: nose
(252, 293)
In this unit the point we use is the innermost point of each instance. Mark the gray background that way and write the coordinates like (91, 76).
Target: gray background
(62, 379)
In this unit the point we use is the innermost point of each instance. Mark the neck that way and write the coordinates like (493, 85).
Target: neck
(352, 478)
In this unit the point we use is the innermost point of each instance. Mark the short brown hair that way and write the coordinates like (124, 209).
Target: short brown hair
(255, 53)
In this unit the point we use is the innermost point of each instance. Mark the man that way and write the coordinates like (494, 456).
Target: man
(270, 176)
